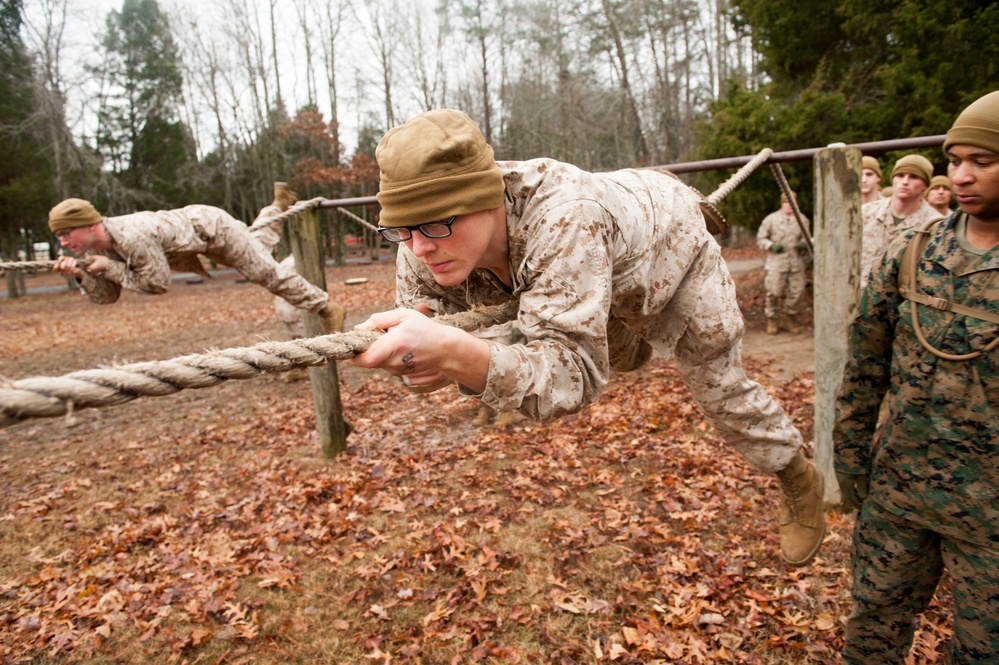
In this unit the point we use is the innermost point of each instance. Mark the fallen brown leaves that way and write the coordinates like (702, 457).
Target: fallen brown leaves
(206, 528)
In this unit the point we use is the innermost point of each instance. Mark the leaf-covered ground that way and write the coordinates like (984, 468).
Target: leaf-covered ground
(206, 527)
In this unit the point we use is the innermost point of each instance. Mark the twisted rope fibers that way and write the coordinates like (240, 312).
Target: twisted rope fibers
(47, 397)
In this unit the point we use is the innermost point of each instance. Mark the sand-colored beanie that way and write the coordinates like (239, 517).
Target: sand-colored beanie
(73, 213)
(916, 165)
(977, 125)
(873, 164)
(939, 181)
(434, 166)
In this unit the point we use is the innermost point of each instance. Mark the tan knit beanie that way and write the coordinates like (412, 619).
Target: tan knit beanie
(434, 166)
(939, 181)
(977, 125)
(916, 165)
(872, 163)
(72, 213)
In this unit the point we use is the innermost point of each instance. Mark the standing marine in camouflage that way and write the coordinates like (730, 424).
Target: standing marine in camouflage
(139, 252)
(870, 179)
(904, 209)
(939, 194)
(927, 485)
(784, 277)
(604, 268)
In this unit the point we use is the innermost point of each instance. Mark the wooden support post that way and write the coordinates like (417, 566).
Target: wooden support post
(838, 231)
(338, 237)
(305, 236)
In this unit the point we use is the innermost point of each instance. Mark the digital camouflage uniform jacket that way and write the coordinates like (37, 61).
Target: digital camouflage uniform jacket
(606, 267)
(937, 461)
(880, 229)
(149, 245)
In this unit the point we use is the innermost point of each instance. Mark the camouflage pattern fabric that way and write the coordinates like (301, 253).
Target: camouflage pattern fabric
(880, 229)
(148, 245)
(288, 314)
(784, 280)
(896, 568)
(607, 268)
(269, 236)
(935, 464)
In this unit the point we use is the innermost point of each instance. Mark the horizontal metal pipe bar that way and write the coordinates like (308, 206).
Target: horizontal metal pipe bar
(875, 147)
(871, 147)
(348, 203)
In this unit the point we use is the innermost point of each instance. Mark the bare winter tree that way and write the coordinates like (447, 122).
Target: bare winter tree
(333, 15)
(385, 25)
(209, 67)
(429, 51)
(45, 37)
(618, 24)
(481, 21)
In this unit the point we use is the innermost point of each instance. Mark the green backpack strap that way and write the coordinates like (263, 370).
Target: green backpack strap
(909, 290)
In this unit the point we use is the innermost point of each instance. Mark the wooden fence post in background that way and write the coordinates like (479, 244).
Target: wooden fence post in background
(838, 231)
(305, 235)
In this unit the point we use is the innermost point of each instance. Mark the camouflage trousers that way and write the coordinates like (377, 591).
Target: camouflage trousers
(784, 290)
(896, 568)
(235, 247)
(709, 359)
(287, 313)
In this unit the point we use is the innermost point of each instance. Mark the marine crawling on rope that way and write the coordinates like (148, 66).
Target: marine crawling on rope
(139, 251)
(605, 268)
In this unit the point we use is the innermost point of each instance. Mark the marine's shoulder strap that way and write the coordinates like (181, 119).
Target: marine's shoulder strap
(908, 288)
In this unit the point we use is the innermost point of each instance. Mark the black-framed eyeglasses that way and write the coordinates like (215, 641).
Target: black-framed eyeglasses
(430, 230)
(62, 235)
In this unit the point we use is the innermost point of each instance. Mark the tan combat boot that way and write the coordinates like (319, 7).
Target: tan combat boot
(786, 323)
(483, 417)
(771, 326)
(333, 316)
(802, 514)
(505, 418)
(284, 197)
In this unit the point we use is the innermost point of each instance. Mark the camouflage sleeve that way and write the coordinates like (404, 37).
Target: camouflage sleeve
(268, 235)
(146, 270)
(763, 240)
(99, 289)
(867, 374)
(563, 362)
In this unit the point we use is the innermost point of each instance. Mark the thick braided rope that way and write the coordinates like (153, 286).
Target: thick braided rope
(739, 176)
(26, 266)
(34, 266)
(292, 211)
(46, 397)
(359, 220)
